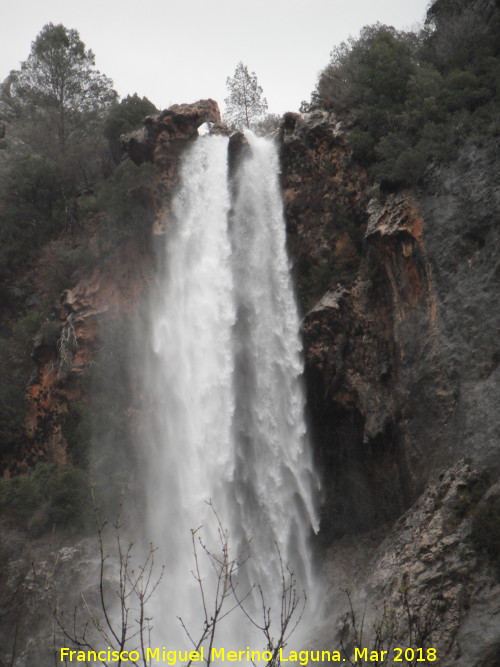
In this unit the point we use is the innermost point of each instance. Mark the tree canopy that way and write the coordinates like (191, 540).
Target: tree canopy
(412, 97)
(125, 116)
(245, 104)
(59, 85)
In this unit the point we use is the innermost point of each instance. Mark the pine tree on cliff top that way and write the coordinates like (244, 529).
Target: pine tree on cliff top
(245, 104)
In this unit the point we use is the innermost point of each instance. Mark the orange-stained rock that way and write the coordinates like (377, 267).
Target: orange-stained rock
(364, 281)
(400, 299)
(107, 290)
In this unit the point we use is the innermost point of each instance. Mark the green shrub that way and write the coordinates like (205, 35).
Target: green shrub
(49, 497)
(362, 144)
(401, 165)
(126, 202)
(415, 97)
(26, 327)
(437, 141)
(125, 116)
(409, 167)
(31, 213)
(62, 263)
(373, 69)
(463, 90)
(16, 345)
(77, 431)
(33, 180)
(12, 390)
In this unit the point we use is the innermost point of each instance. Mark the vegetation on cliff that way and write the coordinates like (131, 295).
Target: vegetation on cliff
(245, 104)
(66, 205)
(412, 97)
(59, 90)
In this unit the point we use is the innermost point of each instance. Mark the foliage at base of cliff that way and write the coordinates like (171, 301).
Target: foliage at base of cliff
(413, 97)
(50, 497)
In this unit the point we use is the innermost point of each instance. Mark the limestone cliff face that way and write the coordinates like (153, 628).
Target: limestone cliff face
(402, 360)
(421, 583)
(401, 351)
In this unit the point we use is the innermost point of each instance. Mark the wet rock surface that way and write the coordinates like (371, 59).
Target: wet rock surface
(113, 287)
(423, 580)
(401, 363)
(461, 203)
(401, 352)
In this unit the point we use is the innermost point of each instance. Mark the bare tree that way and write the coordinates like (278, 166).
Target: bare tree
(119, 616)
(292, 606)
(412, 629)
(13, 596)
(227, 598)
(225, 569)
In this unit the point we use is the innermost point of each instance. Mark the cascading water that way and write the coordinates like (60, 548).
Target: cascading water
(273, 477)
(227, 420)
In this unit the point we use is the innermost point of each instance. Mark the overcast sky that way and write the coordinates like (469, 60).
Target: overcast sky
(176, 51)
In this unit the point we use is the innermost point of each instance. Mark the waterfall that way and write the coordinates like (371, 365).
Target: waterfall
(273, 476)
(225, 403)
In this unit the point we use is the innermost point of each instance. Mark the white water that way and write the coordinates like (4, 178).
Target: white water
(226, 405)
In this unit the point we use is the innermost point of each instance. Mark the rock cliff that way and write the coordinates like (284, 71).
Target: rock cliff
(114, 286)
(400, 325)
(401, 357)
